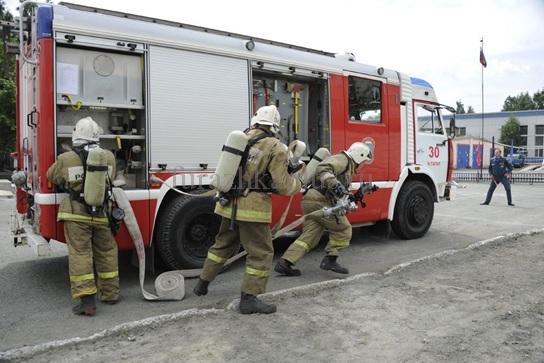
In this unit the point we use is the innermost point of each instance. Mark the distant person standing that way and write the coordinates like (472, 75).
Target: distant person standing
(499, 168)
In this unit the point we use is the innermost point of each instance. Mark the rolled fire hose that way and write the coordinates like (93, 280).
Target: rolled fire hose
(169, 285)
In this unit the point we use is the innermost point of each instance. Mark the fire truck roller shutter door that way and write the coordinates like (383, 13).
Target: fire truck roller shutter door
(229, 160)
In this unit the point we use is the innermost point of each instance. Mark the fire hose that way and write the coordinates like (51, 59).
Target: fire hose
(170, 285)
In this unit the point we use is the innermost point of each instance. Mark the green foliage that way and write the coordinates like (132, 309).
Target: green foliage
(521, 102)
(460, 108)
(538, 99)
(510, 132)
(7, 91)
(470, 109)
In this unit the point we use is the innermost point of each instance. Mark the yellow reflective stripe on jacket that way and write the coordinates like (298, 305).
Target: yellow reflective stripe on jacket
(244, 214)
(65, 216)
(215, 258)
(303, 245)
(255, 272)
(108, 275)
(79, 278)
(337, 243)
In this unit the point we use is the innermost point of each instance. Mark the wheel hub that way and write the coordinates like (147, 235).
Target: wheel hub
(198, 232)
(418, 210)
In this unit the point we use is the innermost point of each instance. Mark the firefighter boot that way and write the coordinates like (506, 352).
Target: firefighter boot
(201, 287)
(86, 306)
(285, 267)
(249, 304)
(329, 263)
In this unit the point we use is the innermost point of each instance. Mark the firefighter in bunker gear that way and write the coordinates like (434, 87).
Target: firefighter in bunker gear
(88, 236)
(265, 171)
(332, 181)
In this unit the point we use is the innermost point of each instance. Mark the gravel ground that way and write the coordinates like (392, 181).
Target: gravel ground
(478, 305)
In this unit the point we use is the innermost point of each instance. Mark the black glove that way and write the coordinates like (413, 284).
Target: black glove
(291, 169)
(339, 190)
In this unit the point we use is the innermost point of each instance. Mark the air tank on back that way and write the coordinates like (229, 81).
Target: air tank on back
(309, 173)
(229, 160)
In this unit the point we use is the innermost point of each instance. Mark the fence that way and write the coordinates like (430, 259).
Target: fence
(517, 177)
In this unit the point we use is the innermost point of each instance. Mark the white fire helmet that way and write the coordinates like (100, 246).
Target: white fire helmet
(267, 116)
(86, 131)
(359, 152)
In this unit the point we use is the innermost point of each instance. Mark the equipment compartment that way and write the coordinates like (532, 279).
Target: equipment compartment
(98, 78)
(107, 86)
(302, 103)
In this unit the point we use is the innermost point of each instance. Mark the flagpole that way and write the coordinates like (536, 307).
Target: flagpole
(482, 132)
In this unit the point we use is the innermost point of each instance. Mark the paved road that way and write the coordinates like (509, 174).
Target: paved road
(35, 301)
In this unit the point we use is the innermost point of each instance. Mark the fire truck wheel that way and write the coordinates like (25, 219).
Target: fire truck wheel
(186, 230)
(414, 210)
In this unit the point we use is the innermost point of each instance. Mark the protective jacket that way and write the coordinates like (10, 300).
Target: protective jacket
(268, 155)
(499, 166)
(334, 169)
(67, 172)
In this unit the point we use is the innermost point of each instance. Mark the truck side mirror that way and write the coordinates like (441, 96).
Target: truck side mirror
(452, 127)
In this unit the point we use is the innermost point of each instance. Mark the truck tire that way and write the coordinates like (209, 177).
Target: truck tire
(186, 229)
(414, 210)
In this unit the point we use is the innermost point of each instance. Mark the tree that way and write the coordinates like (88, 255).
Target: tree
(460, 108)
(538, 99)
(7, 90)
(521, 102)
(510, 132)
(470, 109)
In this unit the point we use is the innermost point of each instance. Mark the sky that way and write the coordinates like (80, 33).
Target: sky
(438, 41)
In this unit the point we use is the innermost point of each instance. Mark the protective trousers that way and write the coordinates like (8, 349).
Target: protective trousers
(494, 182)
(256, 240)
(339, 234)
(87, 243)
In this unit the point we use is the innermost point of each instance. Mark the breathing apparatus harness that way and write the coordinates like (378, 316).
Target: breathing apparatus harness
(239, 187)
(114, 214)
(328, 192)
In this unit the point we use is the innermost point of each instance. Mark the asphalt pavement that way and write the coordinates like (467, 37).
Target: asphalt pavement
(35, 300)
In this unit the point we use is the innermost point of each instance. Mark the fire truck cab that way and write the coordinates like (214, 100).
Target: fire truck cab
(167, 94)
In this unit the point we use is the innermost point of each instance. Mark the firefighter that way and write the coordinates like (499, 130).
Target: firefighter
(265, 171)
(88, 236)
(331, 182)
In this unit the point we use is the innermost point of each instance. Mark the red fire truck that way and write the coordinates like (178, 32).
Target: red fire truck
(167, 94)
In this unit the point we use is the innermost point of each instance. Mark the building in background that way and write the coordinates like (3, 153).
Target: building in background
(467, 152)
(532, 129)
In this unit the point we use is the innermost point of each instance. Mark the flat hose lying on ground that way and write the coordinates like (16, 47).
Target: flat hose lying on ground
(169, 285)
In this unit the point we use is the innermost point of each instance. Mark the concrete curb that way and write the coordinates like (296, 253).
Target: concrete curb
(304, 290)
(472, 246)
(27, 352)
(154, 321)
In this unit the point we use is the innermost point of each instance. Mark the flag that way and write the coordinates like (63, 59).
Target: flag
(483, 62)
